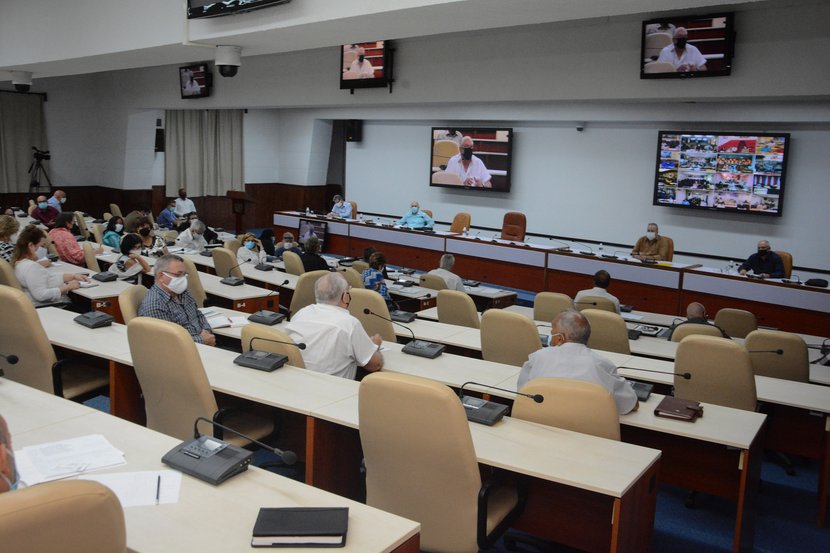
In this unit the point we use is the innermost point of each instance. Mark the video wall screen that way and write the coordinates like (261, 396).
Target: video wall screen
(471, 158)
(722, 171)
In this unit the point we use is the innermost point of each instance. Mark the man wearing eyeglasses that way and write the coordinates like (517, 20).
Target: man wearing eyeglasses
(169, 300)
(336, 342)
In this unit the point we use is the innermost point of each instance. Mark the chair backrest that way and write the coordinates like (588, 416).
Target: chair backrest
(513, 226)
(79, 220)
(548, 305)
(442, 151)
(293, 263)
(659, 67)
(792, 364)
(72, 516)
(457, 308)
(360, 266)
(354, 208)
(787, 259)
(446, 177)
(251, 331)
(508, 337)
(595, 302)
(115, 210)
(721, 372)
(98, 232)
(348, 58)
(362, 299)
(225, 262)
(352, 277)
(194, 282)
(404, 421)
(129, 300)
(428, 212)
(107, 216)
(738, 323)
(575, 405)
(670, 254)
(7, 276)
(304, 291)
(608, 331)
(233, 245)
(687, 329)
(461, 221)
(172, 398)
(23, 335)
(169, 235)
(656, 42)
(433, 282)
(89, 256)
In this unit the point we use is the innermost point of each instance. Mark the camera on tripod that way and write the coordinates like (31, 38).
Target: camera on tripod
(41, 155)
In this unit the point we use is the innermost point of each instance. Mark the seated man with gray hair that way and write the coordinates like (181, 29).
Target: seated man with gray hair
(569, 357)
(192, 238)
(336, 342)
(453, 281)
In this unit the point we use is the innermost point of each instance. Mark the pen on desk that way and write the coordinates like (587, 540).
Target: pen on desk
(158, 489)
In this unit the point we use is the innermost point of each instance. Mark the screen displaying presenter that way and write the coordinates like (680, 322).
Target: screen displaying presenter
(470, 168)
(685, 57)
(415, 218)
(360, 68)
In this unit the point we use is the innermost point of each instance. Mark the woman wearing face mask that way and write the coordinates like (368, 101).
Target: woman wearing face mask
(251, 250)
(130, 264)
(65, 243)
(151, 242)
(8, 226)
(41, 285)
(114, 232)
(415, 218)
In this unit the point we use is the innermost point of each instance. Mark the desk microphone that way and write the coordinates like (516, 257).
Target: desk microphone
(420, 348)
(775, 351)
(232, 280)
(687, 376)
(585, 303)
(538, 398)
(10, 358)
(590, 249)
(565, 246)
(791, 281)
(263, 360)
(300, 345)
(288, 457)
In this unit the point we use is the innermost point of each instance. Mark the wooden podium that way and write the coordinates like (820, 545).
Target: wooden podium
(238, 200)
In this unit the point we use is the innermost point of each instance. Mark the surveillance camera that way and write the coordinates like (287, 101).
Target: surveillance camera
(22, 80)
(228, 60)
(580, 127)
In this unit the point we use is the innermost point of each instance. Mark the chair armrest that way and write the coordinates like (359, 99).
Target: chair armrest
(484, 540)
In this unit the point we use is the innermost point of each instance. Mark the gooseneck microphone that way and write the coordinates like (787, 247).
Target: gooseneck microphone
(585, 303)
(775, 351)
(420, 348)
(538, 398)
(590, 249)
(367, 311)
(687, 376)
(288, 457)
(231, 280)
(300, 345)
(11, 358)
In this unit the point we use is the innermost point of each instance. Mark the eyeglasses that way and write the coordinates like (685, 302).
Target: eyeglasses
(175, 275)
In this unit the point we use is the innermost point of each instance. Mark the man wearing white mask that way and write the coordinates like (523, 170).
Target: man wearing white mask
(169, 300)
(652, 245)
(341, 208)
(415, 218)
(57, 200)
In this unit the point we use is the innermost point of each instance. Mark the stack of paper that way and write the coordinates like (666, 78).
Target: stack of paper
(55, 460)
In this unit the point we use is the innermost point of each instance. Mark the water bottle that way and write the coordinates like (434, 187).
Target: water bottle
(308, 211)
(600, 248)
(464, 231)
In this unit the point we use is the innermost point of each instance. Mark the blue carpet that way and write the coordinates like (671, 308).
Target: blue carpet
(101, 403)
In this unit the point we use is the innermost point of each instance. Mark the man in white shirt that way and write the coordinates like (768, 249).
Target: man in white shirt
(444, 271)
(469, 167)
(569, 357)
(685, 57)
(336, 342)
(184, 205)
(602, 280)
(192, 238)
(362, 67)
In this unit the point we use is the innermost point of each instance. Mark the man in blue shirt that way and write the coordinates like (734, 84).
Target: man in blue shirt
(341, 207)
(765, 263)
(415, 218)
(167, 218)
(57, 200)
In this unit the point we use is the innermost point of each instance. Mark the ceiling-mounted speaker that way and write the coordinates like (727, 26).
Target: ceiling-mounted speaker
(354, 130)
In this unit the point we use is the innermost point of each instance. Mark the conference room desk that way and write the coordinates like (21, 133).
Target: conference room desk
(246, 298)
(205, 518)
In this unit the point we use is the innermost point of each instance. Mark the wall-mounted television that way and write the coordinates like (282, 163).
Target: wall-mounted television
(197, 9)
(365, 65)
(720, 171)
(195, 81)
(312, 227)
(469, 158)
(687, 46)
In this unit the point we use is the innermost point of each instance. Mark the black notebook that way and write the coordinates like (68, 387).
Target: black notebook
(301, 527)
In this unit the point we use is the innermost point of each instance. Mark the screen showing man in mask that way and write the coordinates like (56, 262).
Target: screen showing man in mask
(469, 167)
(684, 56)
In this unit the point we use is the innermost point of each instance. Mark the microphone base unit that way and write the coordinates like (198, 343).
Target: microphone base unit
(483, 411)
(263, 267)
(206, 253)
(420, 348)
(471, 283)
(233, 281)
(265, 317)
(94, 319)
(609, 256)
(208, 459)
(105, 276)
(261, 360)
(400, 316)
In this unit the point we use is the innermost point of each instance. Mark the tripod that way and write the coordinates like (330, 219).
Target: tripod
(35, 170)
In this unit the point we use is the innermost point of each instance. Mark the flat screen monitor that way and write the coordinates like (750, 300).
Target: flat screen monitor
(312, 227)
(743, 172)
(687, 46)
(197, 9)
(365, 64)
(195, 81)
(485, 166)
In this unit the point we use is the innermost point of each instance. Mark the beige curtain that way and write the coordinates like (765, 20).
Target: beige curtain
(22, 125)
(203, 151)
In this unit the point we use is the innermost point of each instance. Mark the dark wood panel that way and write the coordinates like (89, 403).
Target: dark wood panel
(500, 273)
(405, 256)
(643, 297)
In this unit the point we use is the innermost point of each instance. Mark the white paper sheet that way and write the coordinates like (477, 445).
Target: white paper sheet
(55, 460)
(135, 489)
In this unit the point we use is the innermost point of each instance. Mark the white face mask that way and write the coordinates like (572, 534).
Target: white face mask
(177, 285)
(41, 253)
(63, 200)
(651, 235)
(118, 228)
(287, 244)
